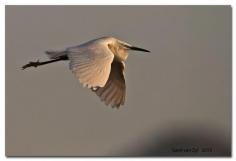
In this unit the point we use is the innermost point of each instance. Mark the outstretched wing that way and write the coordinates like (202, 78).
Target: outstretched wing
(113, 92)
(91, 64)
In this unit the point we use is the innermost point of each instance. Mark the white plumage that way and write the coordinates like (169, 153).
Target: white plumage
(99, 65)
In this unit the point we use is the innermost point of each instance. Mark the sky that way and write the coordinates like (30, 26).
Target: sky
(178, 96)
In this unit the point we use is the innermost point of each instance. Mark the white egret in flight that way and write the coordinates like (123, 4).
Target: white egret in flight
(99, 65)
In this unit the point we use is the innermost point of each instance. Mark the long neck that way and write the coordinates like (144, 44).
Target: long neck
(119, 53)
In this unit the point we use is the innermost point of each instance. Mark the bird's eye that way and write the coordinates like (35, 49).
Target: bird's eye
(109, 46)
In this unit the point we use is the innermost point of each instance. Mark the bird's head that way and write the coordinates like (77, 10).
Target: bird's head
(127, 46)
(121, 45)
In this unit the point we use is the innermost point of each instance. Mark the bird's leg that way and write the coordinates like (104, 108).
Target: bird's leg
(38, 63)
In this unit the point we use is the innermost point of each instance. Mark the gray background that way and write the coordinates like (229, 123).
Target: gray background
(178, 96)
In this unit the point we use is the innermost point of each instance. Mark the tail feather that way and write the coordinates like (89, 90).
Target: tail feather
(56, 54)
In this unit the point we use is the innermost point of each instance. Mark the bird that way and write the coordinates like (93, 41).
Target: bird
(98, 64)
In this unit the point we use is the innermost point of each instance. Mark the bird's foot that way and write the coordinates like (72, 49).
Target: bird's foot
(31, 64)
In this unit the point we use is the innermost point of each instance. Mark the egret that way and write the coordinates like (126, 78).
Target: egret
(99, 65)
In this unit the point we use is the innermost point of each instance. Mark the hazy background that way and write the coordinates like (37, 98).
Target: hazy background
(178, 96)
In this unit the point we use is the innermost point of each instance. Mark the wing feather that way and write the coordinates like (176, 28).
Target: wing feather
(113, 92)
(91, 65)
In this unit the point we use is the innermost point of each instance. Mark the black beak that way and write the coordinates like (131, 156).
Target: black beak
(138, 49)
